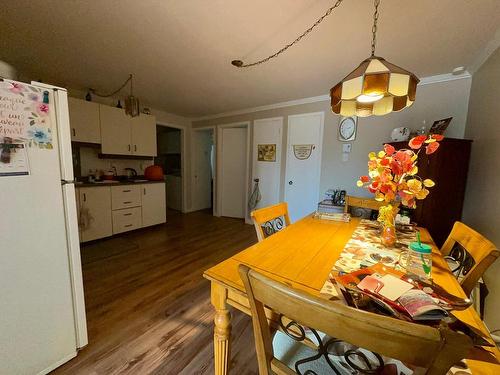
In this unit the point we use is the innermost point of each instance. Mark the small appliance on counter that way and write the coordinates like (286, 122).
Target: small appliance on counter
(154, 173)
(400, 134)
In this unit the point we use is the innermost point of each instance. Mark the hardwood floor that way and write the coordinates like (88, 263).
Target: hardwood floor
(148, 306)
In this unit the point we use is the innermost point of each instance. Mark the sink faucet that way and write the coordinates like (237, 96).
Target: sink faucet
(115, 173)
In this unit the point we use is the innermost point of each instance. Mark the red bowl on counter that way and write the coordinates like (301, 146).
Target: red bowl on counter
(154, 173)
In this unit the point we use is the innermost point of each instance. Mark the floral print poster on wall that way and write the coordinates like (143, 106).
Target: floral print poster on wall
(25, 115)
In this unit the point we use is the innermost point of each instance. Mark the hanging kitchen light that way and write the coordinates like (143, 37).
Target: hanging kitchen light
(375, 87)
(131, 102)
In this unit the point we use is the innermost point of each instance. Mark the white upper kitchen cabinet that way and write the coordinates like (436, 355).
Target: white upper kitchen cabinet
(125, 135)
(95, 219)
(153, 204)
(143, 135)
(115, 131)
(84, 121)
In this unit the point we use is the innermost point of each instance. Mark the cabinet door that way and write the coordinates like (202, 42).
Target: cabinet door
(84, 121)
(153, 204)
(77, 197)
(115, 131)
(143, 130)
(95, 213)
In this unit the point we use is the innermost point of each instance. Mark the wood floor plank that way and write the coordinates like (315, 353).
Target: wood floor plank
(148, 306)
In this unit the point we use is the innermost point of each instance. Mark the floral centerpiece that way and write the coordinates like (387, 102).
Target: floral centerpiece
(392, 177)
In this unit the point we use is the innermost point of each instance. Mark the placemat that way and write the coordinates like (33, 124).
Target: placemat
(365, 249)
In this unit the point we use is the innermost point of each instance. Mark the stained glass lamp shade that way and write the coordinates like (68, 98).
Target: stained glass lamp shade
(375, 87)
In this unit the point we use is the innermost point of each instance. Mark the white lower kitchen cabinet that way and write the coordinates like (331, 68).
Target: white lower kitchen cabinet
(126, 219)
(153, 204)
(125, 196)
(95, 213)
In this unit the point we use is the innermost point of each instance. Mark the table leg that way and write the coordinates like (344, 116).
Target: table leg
(222, 329)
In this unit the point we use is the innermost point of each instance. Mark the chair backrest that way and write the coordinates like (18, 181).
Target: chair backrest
(474, 254)
(435, 349)
(269, 220)
(369, 203)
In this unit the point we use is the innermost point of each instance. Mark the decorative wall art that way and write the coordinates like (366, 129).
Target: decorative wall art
(266, 152)
(303, 152)
(439, 126)
(25, 114)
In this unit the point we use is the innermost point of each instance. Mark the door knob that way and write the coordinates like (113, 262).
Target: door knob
(290, 182)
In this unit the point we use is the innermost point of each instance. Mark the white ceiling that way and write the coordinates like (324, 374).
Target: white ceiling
(180, 50)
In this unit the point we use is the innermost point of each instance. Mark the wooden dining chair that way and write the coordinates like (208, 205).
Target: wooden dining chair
(368, 203)
(470, 253)
(434, 349)
(271, 219)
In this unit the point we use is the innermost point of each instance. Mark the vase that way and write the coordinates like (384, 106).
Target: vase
(386, 217)
(388, 236)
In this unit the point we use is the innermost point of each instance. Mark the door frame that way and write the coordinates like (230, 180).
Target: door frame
(183, 130)
(193, 157)
(220, 176)
(280, 178)
(320, 147)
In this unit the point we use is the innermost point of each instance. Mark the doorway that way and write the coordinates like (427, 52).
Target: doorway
(203, 176)
(169, 142)
(303, 163)
(233, 166)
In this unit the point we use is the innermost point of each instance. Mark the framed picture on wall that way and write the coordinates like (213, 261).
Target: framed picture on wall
(266, 152)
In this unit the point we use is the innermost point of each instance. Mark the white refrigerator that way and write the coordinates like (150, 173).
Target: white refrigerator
(42, 308)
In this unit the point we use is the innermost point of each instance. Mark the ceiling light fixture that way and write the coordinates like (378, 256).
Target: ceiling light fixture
(375, 87)
(131, 102)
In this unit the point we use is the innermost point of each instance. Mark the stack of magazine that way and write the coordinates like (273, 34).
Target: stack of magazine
(384, 290)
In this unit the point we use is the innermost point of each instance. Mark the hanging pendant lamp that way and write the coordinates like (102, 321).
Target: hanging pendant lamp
(131, 101)
(375, 87)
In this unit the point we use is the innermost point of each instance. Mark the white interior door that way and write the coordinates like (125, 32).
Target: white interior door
(266, 134)
(303, 163)
(202, 174)
(233, 160)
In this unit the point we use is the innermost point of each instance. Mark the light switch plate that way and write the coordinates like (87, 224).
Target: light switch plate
(346, 147)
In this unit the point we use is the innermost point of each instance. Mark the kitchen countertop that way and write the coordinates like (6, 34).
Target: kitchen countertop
(118, 183)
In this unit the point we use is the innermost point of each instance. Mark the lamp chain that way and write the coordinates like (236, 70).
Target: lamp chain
(374, 27)
(241, 64)
(129, 79)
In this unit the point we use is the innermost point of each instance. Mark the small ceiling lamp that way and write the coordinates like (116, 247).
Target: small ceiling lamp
(375, 87)
(131, 102)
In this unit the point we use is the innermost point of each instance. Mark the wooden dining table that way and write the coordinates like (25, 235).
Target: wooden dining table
(302, 256)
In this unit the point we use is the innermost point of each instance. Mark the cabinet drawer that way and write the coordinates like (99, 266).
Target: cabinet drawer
(125, 196)
(127, 219)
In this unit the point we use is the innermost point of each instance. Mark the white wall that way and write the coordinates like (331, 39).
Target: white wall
(434, 101)
(482, 203)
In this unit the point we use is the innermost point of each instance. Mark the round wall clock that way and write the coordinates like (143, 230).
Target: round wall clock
(347, 128)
